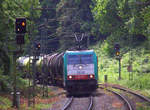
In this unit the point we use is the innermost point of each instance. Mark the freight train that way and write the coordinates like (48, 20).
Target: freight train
(75, 71)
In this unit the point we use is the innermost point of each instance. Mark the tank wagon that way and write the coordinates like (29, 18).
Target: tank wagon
(53, 66)
(23, 64)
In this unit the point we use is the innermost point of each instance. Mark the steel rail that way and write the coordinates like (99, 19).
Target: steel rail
(91, 103)
(68, 103)
(139, 95)
(121, 96)
(129, 91)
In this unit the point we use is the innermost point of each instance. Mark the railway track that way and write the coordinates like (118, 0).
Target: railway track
(133, 97)
(129, 105)
(128, 91)
(69, 103)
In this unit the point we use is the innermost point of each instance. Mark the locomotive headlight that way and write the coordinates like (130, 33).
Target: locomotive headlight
(70, 77)
(80, 67)
(91, 76)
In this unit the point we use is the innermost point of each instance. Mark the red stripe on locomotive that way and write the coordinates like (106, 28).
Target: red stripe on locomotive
(80, 77)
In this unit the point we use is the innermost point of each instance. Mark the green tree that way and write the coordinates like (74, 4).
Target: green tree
(9, 11)
(123, 21)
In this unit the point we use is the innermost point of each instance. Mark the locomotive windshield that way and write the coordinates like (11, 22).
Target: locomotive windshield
(80, 59)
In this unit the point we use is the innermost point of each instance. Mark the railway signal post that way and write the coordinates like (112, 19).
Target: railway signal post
(118, 57)
(15, 94)
(119, 68)
(20, 27)
(129, 68)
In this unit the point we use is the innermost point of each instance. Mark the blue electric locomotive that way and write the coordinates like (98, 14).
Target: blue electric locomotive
(80, 71)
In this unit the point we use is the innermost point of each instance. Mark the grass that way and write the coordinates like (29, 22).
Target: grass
(36, 107)
(141, 107)
(41, 102)
(5, 103)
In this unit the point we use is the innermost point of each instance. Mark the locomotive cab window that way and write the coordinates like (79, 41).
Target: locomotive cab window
(80, 59)
(86, 59)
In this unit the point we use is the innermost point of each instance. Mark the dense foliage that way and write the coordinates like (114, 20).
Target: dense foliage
(124, 21)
